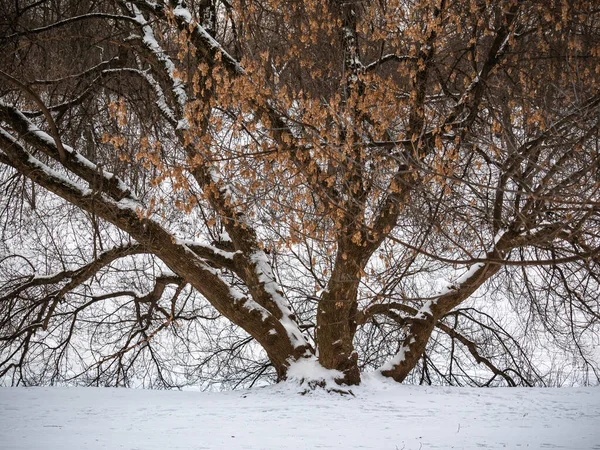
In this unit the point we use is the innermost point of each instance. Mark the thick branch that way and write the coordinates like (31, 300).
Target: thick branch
(97, 178)
(279, 337)
(388, 309)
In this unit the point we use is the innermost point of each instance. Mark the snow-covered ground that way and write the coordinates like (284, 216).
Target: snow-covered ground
(382, 415)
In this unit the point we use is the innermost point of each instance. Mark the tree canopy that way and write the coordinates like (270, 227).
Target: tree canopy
(217, 191)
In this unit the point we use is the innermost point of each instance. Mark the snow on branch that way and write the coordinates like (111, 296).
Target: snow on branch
(161, 102)
(157, 51)
(76, 276)
(73, 161)
(201, 36)
(122, 212)
(271, 287)
(386, 58)
(18, 158)
(214, 256)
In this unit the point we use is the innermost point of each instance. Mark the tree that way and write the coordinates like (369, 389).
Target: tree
(306, 172)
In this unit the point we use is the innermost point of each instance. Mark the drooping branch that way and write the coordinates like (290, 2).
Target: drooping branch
(404, 320)
(68, 21)
(71, 279)
(423, 322)
(125, 214)
(92, 173)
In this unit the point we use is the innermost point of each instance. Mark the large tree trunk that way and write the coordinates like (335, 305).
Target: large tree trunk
(336, 320)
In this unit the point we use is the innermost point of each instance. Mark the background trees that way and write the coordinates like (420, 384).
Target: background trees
(408, 186)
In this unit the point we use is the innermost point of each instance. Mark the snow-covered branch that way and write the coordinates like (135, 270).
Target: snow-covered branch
(92, 173)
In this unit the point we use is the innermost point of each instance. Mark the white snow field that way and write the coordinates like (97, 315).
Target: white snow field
(382, 415)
